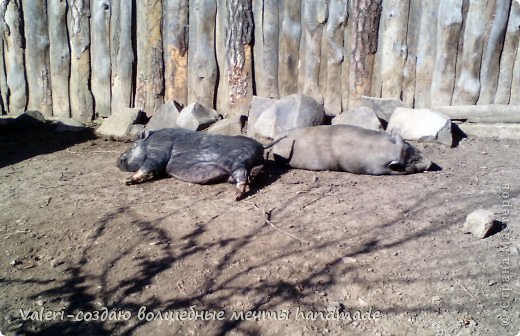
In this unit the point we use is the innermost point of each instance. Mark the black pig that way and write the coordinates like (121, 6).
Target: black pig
(193, 157)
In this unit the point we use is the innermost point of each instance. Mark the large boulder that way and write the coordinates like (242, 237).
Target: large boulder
(270, 118)
(383, 107)
(197, 117)
(165, 116)
(119, 123)
(228, 126)
(363, 117)
(421, 125)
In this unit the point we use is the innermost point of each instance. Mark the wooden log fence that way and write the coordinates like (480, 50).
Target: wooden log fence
(87, 59)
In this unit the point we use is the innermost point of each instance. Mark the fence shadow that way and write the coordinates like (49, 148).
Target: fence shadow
(21, 143)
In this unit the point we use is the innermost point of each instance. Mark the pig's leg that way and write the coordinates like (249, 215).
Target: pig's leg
(148, 170)
(239, 175)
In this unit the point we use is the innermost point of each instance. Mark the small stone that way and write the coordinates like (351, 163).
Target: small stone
(363, 117)
(197, 117)
(68, 125)
(383, 107)
(118, 124)
(420, 125)
(479, 223)
(229, 126)
(15, 262)
(165, 116)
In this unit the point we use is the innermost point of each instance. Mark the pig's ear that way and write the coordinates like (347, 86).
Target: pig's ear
(143, 135)
(398, 140)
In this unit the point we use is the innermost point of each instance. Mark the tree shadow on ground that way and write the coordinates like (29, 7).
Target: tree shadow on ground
(215, 291)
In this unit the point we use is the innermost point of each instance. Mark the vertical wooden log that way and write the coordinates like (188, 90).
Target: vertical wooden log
(289, 46)
(175, 45)
(37, 56)
(426, 53)
(3, 75)
(392, 50)
(100, 52)
(491, 55)
(122, 55)
(333, 51)
(202, 74)
(515, 82)
(508, 55)
(364, 20)
(412, 37)
(448, 32)
(14, 57)
(238, 66)
(149, 87)
(221, 94)
(314, 16)
(266, 18)
(59, 57)
(468, 83)
(81, 101)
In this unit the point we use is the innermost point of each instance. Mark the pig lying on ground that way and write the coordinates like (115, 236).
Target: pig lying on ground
(193, 157)
(351, 149)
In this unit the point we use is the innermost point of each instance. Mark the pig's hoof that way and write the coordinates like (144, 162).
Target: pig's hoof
(241, 190)
(130, 181)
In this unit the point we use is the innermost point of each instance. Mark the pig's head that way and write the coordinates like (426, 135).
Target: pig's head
(134, 157)
(411, 160)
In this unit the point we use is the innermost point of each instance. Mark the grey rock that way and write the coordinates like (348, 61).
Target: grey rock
(165, 116)
(421, 125)
(228, 126)
(68, 125)
(197, 117)
(29, 119)
(479, 223)
(271, 118)
(119, 123)
(383, 107)
(362, 117)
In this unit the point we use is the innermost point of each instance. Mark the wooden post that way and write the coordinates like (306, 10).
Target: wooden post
(314, 16)
(3, 75)
(149, 86)
(59, 57)
(333, 52)
(507, 61)
(426, 53)
(392, 50)
(81, 101)
(410, 65)
(448, 31)
(37, 56)
(202, 74)
(175, 46)
(491, 55)
(14, 57)
(364, 21)
(467, 86)
(238, 65)
(289, 47)
(122, 55)
(266, 30)
(515, 82)
(100, 52)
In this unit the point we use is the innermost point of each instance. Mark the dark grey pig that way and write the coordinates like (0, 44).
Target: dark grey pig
(351, 149)
(193, 157)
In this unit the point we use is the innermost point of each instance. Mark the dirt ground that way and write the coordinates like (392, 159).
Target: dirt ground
(306, 253)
